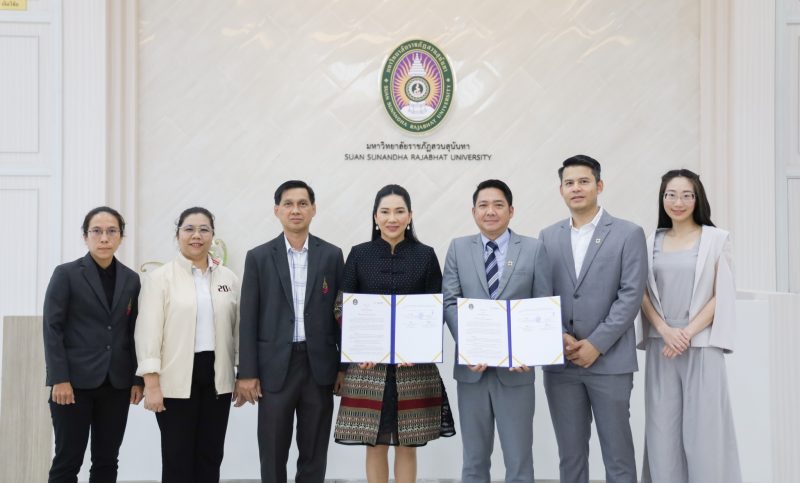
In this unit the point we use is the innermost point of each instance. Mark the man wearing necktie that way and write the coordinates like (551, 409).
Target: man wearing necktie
(494, 264)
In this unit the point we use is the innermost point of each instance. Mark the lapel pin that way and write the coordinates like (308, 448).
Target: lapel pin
(324, 286)
(597, 241)
(510, 263)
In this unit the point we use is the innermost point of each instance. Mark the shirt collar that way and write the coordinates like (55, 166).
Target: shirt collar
(289, 246)
(595, 221)
(502, 240)
(188, 265)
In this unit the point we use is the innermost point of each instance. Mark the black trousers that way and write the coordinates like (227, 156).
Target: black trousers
(193, 430)
(314, 406)
(103, 412)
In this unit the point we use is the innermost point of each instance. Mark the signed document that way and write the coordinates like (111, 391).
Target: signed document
(392, 329)
(418, 328)
(510, 333)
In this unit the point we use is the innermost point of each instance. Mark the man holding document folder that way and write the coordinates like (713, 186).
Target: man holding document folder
(502, 265)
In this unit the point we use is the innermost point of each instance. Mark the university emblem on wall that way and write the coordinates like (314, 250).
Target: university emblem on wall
(417, 86)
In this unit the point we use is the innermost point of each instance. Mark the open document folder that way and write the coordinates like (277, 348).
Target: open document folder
(392, 329)
(510, 333)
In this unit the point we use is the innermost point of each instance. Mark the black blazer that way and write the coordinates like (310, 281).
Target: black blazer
(266, 322)
(85, 340)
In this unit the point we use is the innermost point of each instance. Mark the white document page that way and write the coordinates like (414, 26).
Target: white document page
(536, 338)
(482, 332)
(418, 328)
(366, 328)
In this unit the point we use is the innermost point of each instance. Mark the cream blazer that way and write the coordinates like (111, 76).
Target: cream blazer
(165, 329)
(713, 275)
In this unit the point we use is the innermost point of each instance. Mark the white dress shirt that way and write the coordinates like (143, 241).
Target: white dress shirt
(204, 331)
(298, 270)
(581, 237)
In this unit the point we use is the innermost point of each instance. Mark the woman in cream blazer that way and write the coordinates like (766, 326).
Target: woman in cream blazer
(688, 324)
(186, 346)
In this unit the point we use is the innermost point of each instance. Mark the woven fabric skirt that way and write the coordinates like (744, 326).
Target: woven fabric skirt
(393, 405)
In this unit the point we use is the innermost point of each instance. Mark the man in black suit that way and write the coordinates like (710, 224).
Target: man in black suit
(89, 316)
(288, 344)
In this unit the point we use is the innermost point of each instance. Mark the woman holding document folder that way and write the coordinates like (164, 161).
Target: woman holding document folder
(688, 310)
(386, 405)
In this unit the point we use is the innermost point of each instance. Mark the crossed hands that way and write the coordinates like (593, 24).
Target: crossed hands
(676, 341)
(580, 352)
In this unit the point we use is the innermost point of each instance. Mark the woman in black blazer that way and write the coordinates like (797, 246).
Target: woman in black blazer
(89, 315)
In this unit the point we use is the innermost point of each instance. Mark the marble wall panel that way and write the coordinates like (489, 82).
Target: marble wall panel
(236, 98)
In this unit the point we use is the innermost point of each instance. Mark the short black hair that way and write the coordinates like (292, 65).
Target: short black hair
(195, 210)
(580, 160)
(103, 209)
(493, 183)
(702, 208)
(292, 184)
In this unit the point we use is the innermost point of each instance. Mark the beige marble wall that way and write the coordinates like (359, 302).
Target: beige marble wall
(236, 97)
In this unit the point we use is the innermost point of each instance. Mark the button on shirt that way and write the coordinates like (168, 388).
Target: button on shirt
(298, 269)
(501, 252)
(581, 237)
(204, 330)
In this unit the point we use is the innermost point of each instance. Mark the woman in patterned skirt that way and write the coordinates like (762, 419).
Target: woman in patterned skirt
(382, 405)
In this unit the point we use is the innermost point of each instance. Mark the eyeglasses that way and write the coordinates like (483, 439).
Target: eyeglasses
(673, 197)
(190, 230)
(98, 232)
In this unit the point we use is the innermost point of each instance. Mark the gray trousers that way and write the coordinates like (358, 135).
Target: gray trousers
(482, 404)
(573, 395)
(689, 434)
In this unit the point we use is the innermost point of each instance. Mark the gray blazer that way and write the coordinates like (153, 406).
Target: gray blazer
(465, 276)
(85, 339)
(601, 304)
(713, 277)
(266, 324)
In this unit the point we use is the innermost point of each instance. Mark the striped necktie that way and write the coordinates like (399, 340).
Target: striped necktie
(492, 272)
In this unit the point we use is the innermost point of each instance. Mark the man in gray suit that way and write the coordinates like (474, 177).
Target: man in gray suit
(599, 269)
(288, 344)
(494, 264)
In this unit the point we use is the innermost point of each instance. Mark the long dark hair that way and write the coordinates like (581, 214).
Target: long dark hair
(393, 189)
(702, 209)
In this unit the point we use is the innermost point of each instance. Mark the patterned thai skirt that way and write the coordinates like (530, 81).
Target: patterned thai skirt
(393, 405)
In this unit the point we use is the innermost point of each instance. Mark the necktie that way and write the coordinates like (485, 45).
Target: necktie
(492, 272)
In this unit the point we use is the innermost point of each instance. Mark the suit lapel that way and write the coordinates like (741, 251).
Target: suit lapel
(480, 263)
(651, 278)
(93, 278)
(597, 240)
(313, 267)
(702, 254)
(565, 242)
(119, 284)
(281, 260)
(512, 255)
